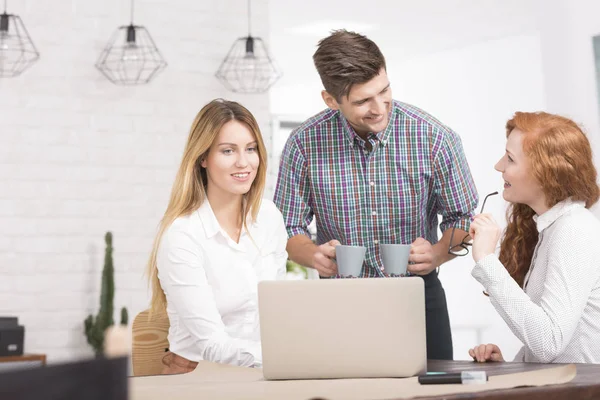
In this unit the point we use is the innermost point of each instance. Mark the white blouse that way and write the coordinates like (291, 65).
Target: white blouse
(557, 316)
(210, 282)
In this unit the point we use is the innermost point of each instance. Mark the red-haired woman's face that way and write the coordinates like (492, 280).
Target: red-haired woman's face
(520, 186)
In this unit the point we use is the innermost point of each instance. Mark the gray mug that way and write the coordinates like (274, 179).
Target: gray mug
(350, 259)
(395, 258)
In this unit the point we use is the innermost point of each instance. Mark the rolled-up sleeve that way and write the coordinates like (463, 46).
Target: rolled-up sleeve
(456, 194)
(292, 192)
(183, 279)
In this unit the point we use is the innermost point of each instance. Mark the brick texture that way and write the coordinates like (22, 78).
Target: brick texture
(80, 156)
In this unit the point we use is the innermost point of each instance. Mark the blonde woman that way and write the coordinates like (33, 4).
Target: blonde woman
(216, 241)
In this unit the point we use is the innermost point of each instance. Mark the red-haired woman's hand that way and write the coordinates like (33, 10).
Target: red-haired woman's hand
(486, 352)
(485, 233)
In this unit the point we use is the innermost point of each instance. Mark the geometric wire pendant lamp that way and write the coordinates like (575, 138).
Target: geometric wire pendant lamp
(131, 56)
(248, 67)
(17, 51)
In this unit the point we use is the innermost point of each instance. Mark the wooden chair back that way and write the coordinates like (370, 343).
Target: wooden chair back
(149, 343)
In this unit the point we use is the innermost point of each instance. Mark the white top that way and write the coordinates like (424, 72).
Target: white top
(557, 316)
(210, 282)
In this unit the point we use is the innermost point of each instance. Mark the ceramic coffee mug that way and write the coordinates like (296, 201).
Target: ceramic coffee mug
(395, 258)
(349, 260)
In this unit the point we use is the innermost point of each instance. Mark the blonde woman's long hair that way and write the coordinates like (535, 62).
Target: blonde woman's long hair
(189, 189)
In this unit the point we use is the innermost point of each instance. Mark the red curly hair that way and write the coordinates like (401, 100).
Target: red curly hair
(560, 157)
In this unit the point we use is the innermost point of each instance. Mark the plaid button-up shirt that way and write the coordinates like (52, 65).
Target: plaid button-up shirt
(392, 193)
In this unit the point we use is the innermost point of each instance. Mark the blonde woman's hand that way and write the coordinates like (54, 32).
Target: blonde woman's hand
(486, 352)
(485, 233)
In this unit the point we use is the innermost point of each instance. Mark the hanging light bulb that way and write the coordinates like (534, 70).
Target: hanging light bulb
(248, 62)
(248, 67)
(17, 51)
(130, 49)
(134, 61)
(3, 40)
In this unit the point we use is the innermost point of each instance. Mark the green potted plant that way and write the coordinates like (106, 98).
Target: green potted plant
(295, 270)
(95, 327)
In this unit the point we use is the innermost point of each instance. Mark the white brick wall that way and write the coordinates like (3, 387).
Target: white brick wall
(80, 156)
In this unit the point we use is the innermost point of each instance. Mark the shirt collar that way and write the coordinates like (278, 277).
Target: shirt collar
(558, 210)
(348, 129)
(210, 223)
(382, 136)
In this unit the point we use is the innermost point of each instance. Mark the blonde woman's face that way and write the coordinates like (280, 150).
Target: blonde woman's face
(232, 161)
(520, 186)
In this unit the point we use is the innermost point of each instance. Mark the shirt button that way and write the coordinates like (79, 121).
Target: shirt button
(374, 213)
(372, 183)
(376, 241)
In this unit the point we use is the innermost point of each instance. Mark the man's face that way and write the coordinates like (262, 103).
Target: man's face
(368, 105)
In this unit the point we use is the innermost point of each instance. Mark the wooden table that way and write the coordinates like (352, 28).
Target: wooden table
(586, 384)
(218, 381)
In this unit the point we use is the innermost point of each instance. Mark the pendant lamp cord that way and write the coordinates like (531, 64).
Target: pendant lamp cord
(131, 12)
(249, 25)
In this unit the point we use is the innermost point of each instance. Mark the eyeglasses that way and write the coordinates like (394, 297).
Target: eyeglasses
(462, 248)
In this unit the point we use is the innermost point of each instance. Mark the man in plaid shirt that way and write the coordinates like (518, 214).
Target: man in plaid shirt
(372, 170)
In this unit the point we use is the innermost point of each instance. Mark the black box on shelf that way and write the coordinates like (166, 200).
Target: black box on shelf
(11, 337)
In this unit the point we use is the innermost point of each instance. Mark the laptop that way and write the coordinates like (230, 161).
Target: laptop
(343, 328)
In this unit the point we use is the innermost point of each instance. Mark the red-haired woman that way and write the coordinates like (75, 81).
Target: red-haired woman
(546, 282)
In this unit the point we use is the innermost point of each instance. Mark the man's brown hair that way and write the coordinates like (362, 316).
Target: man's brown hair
(346, 58)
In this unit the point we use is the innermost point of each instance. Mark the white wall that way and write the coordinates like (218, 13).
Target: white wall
(567, 28)
(80, 156)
